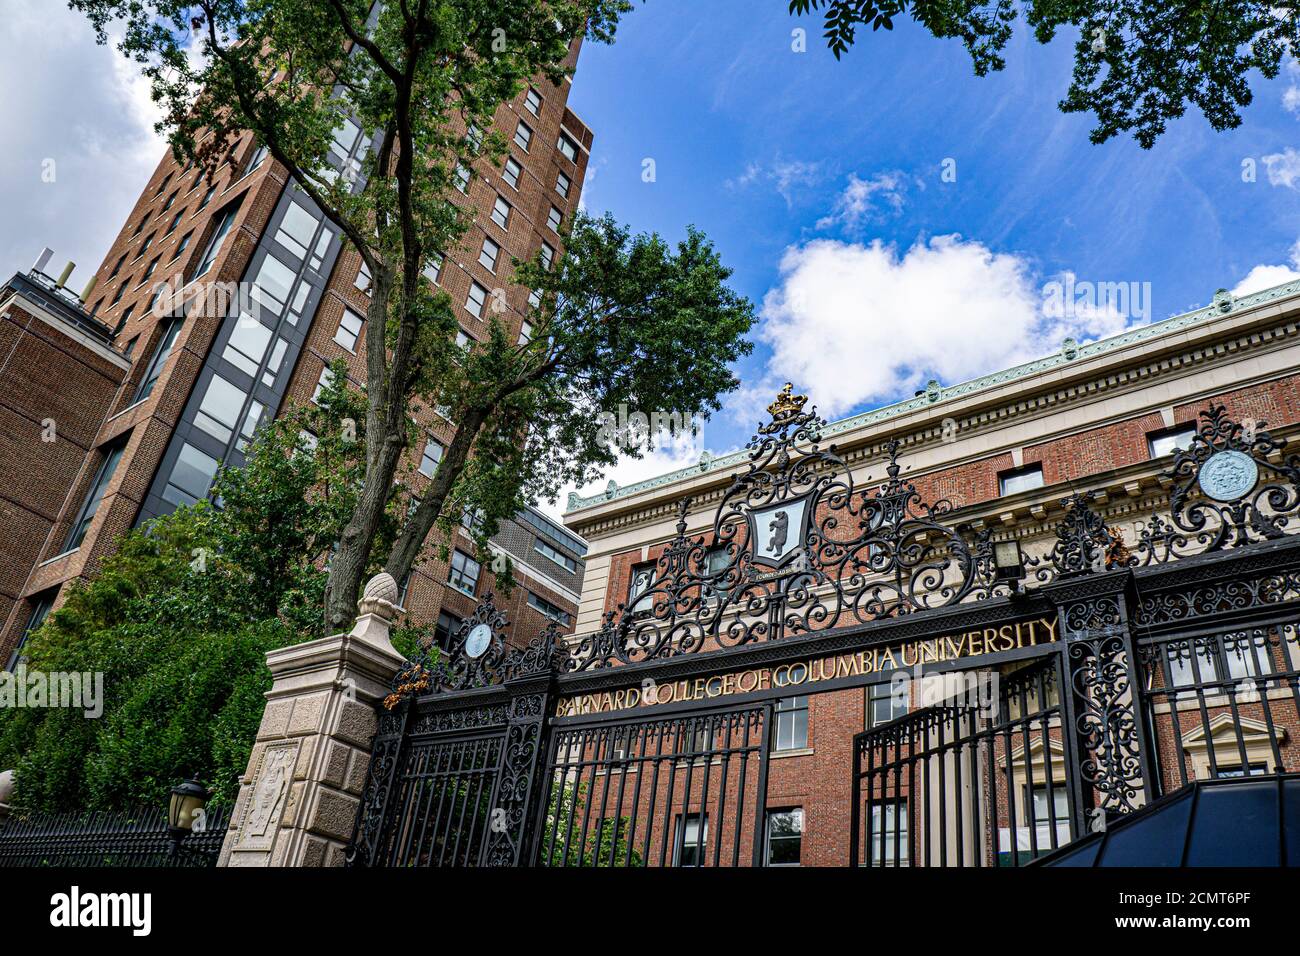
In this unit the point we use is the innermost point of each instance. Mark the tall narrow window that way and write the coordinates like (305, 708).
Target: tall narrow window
(533, 102)
(884, 705)
(511, 172)
(889, 833)
(349, 330)
(182, 245)
(523, 135)
(461, 179)
(103, 475)
(568, 147)
(784, 836)
(555, 219)
(562, 185)
(487, 256)
(219, 232)
(691, 838)
(548, 256)
(430, 457)
(325, 381)
(218, 413)
(160, 356)
(501, 212)
(791, 729)
(476, 300)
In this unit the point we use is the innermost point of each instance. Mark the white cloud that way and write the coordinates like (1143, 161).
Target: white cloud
(1267, 276)
(1291, 95)
(84, 109)
(867, 200)
(784, 176)
(680, 451)
(1283, 168)
(862, 323)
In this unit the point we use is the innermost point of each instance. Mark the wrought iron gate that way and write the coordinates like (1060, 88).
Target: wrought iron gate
(1175, 660)
(685, 789)
(965, 783)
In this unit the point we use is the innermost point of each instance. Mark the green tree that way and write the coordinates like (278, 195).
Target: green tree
(424, 78)
(1137, 63)
(178, 621)
(605, 843)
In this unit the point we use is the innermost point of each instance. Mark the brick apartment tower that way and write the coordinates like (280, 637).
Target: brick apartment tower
(136, 409)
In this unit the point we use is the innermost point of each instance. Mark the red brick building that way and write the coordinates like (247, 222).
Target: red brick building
(146, 403)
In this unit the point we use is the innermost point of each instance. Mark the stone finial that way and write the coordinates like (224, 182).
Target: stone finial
(1070, 349)
(1224, 300)
(380, 597)
(574, 498)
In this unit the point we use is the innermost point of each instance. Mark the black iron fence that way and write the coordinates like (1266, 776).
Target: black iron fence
(108, 838)
(967, 782)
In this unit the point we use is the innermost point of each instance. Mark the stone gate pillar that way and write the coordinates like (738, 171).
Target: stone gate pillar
(299, 797)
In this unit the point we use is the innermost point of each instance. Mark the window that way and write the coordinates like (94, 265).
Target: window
(297, 230)
(160, 355)
(149, 271)
(474, 137)
(218, 413)
(170, 199)
(445, 629)
(166, 181)
(144, 246)
(548, 256)
(247, 346)
(1022, 479)
(139, 228)
(224, 221)
(784, 836)
(103, 475)
(130, 346)
(118, 268)
(462, 339)
(554, 219)
(553, 611)
(176, 221)
(463, 574)
(511, 172)
(182, 245)
(889, 836)
(533, 102)
(476, 300)
(325, 381)
(501, 212)
(255, 160)
(1170, 440)
(525, 333)
(461, 178)
(273, 285)
(546, 549)
(638, 600)
(523, 135)
(349, 330)
(791, 728)
(1256, 770)
(120, 289)
(433, 271)
(692, 834)
(568, 147)
(191, 477)
(563, 184)
(1049, 804)
(42, 604)
(487, 256)
(362, 281)
(883, 706)
(433, 452)
(207, 198)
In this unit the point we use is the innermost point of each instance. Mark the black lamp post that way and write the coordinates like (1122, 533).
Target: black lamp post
(187, 802)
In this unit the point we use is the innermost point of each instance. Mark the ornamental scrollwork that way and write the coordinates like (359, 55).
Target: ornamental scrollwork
(794, 548)
(1084, 544)
(1227, 490)
(1111, 762)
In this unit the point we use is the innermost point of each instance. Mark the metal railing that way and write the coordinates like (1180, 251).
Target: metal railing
(108, 838)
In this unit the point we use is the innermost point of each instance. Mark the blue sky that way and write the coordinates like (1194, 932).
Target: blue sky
(819, 181)
(756, 144)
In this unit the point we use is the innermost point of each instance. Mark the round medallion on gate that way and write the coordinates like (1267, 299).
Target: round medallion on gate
(478, 641)
(1228, 475)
